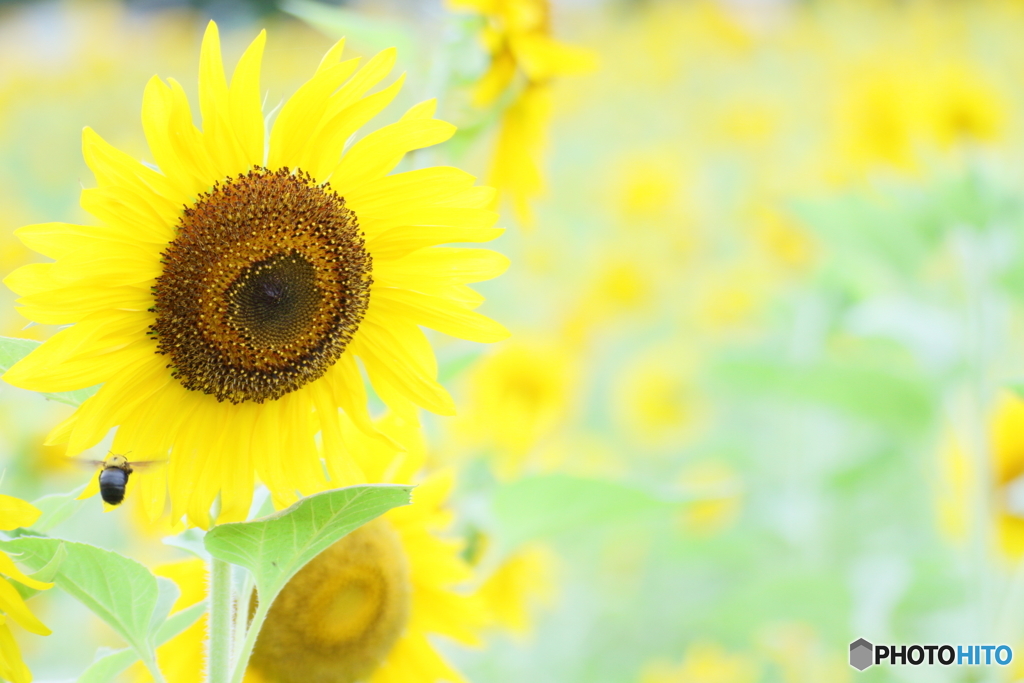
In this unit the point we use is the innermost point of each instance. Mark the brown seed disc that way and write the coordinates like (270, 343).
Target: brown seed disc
(262, 288)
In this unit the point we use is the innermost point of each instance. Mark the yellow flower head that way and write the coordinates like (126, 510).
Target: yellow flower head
(15, 513)
(223, 299)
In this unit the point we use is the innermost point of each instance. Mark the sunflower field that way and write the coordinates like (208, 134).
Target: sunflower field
(503, 341)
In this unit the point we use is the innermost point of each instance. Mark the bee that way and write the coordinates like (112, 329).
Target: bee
(114, 476)
(114, 479)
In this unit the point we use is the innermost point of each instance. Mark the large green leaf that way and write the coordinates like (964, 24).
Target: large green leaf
(537, 507)
(12, 350)
(273, 549)
(119, 590)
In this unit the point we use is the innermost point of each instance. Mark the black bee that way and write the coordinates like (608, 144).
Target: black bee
(114, 472)
(114, 478)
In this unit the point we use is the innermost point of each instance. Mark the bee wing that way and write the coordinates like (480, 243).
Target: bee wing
(82, 462)
(146, 463)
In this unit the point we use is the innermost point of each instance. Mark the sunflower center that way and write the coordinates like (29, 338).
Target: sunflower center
(275, 300)
(339, 617)
(262, 288)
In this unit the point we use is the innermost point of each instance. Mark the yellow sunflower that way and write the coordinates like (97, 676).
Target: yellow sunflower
(363, 609)
(518, 399)
(222, 300)
(15, 513)
(958, 477)
(517, 35)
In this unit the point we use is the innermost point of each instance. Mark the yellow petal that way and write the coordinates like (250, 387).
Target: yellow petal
(440, 266)
(8, 568)
(438, 313)
(12, 667)
(320, 159)
(423, 187)
(15, 513)
(378, 153)
(302, 113)
(246, 103)
(399, 353)
(14, 607)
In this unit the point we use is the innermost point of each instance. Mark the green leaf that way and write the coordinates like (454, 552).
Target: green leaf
(119, 590)
(892, 399)
(190, 540)
(273, 549)
(56, 508)
(72, 398)
(12, 350)
(167, 596)
(541, 506)
(109, 664)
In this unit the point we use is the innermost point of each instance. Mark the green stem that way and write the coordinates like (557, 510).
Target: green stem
(979, 448)
(250, 641)
(154, 670)
(242, 613)
(220, 622)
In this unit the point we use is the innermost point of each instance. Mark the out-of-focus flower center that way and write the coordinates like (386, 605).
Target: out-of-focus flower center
(338, 618)
(262, 288)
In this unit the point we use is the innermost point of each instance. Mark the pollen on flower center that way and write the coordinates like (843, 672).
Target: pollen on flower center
(339, 617)
(262, 288)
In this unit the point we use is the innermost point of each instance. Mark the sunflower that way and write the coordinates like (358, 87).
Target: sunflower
(518, 397)
(517, 35)
(225, 292)
(15, 513)
(959, 476)
(363, 609)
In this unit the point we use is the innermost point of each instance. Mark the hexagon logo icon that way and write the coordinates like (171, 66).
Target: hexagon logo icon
(861, 652)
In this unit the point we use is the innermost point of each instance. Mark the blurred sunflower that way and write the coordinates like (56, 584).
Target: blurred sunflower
(363, 609)
(525, 579)
(957, 479)
(222, 301)
(15, 513)
(704, 662)
(517, 35)
(518, 397)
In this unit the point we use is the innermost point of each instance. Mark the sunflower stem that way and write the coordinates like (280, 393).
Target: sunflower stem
(263, 607)
(241, 613)
(219, 660)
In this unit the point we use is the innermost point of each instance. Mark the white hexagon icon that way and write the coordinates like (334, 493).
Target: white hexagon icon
(861, 654)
